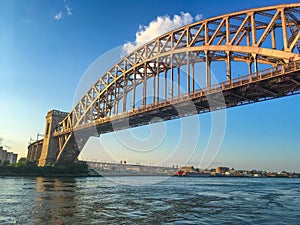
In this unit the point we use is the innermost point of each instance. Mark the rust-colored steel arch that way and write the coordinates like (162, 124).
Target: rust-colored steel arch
(268, 35)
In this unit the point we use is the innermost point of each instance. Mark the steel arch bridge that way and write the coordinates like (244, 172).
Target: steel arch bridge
(166, 67)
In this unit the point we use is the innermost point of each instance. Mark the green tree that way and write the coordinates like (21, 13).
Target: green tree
(22, 162)
(5, 163)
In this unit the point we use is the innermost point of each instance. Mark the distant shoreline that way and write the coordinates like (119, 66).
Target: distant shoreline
(128, 175)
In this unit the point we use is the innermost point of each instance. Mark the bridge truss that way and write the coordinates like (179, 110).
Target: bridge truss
(158, 78)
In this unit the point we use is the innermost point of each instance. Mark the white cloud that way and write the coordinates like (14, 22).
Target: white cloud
(198, 17)
(68, 11)
(59, 15)
(7, 147)
(3, 145)
(157, 27)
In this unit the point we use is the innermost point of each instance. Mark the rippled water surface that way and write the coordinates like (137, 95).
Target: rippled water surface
(149, 200)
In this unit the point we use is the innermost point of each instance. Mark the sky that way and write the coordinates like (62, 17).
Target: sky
(47, 47)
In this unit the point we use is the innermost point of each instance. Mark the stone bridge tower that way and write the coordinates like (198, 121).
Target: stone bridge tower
(50, 144)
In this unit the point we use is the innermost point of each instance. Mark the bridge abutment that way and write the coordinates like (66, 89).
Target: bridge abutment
(50, 148)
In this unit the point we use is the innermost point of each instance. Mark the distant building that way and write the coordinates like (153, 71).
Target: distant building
(1, 152)
(8, 156)
(11, 157)
(222, 170)
(3, 155)
(187, 169)
(14, 158)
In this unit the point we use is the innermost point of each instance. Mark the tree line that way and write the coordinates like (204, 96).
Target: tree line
(27, 168)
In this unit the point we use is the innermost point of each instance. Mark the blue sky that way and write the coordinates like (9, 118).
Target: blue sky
(46, 46)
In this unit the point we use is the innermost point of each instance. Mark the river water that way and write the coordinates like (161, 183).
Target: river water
(149, 200)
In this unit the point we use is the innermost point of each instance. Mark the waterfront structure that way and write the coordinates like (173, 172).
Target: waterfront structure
(222, 170)
(1, 153)
(188, 169)
(8, 156)
(268, 36)
(34, 151)
(15, 158)
(105, 168)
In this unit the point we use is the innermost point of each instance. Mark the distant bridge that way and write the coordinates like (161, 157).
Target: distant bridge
(110, 169)
(162, 78)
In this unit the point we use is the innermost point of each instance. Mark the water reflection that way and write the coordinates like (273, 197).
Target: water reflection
(55, 201)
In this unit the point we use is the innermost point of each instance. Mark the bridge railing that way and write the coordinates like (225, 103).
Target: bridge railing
(37, 142)
(264, 74)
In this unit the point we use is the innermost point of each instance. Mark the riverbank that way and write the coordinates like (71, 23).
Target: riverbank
(31, 170)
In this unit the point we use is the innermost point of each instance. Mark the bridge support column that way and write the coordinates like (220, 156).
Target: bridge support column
(193, 78)
(208, 78)
(157, 82)
(250, 70)
(50, 148)
(228, 64)
(134, 90)
(249, 67)
(188, 76)
(145, 86)
(124, 95)
(255, 63)
(165, 86)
